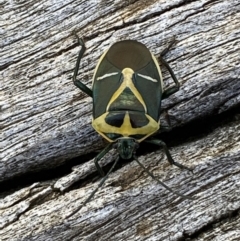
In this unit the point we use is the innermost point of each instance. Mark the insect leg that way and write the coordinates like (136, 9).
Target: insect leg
(173, 89)
(161, 183)
(169, 157)
(76, 82)
(100, 156)
(168, 47)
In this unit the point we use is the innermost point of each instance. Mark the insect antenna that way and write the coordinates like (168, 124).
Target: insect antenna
(161, 183)
(96, 189)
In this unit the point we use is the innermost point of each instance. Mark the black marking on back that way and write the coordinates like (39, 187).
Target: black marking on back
(115, 118)
(138, 119)
(137, 137)
(113, 136)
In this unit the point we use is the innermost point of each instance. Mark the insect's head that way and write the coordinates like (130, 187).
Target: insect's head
(126, 147)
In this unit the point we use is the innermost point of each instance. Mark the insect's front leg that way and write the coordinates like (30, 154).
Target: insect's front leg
(76, 82)
(100, 156)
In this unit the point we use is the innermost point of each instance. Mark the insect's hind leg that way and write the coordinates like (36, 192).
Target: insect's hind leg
(76, 82)
(173, 89)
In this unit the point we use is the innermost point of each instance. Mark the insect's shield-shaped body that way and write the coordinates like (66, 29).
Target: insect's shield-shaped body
(127, 91)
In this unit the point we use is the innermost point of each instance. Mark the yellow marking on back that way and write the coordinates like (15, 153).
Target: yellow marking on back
(126, 129)
(127, 82)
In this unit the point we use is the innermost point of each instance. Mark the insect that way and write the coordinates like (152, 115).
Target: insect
(127, 92)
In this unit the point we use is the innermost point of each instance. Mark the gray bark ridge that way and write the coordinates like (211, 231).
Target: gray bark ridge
(45, 122)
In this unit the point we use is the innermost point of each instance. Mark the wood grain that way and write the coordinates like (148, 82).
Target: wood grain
(45, 121)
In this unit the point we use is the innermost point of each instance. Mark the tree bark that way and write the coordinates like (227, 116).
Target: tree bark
(45, 121)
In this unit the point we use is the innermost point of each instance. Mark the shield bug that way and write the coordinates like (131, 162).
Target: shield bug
(127, 92)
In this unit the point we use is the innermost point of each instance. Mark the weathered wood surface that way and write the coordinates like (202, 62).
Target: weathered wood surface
(45, 121)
